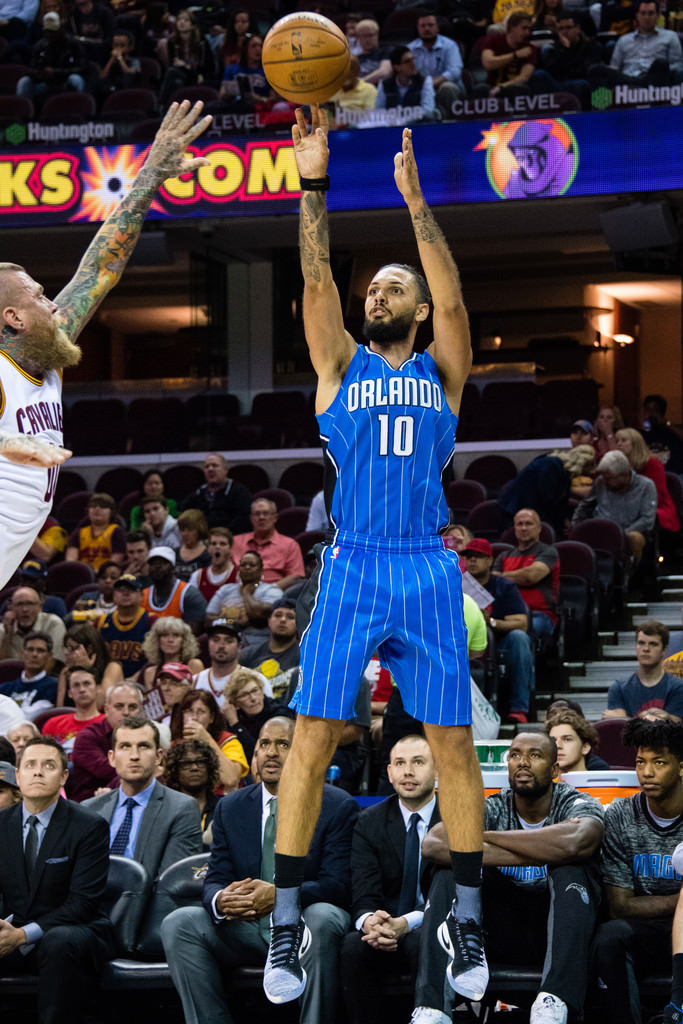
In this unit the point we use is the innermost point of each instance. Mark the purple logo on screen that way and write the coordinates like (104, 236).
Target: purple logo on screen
(530, 159)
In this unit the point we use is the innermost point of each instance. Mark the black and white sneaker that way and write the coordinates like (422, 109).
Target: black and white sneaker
(467, 971)
(672, 1014)
(284, 979)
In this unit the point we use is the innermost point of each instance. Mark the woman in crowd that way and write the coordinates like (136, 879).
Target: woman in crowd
(244, 86)
(631, 443)
(101, 539)
(169, 640)
(246, 707)
(152, 487)
(84, 647)
(186, 57)
(245, 605)
(20, 734)
(198, 717)
(239, 28)
(191, 767)
(192, 553)
(608, 421)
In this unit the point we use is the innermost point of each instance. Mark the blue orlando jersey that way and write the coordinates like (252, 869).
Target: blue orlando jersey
(387, 437)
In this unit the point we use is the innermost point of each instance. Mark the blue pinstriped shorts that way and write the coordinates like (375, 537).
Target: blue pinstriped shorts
(401, 597)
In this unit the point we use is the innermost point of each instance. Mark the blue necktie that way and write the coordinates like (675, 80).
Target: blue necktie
(120, 840)
(411, 861)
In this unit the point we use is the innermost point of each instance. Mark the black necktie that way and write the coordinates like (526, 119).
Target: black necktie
(411, 860)
(31, 845)
(120, 840)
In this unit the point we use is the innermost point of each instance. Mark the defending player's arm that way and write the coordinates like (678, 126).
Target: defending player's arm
(451, 349)
(108, 253)
(329, 344)
(28, 451)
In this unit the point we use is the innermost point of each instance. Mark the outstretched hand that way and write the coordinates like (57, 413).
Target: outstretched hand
(310, 147)
(28, 451)
(178, 129)
(405, 169)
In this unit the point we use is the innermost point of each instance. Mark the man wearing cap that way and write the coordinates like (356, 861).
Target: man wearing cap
(34, 690)
(162, 827)
(224, 652)
(124, 629)
(34, 574)
(507, 615)
(91, 768)
(174, 681)
(282, 560)
(277, 656)
(169, 596)
(581, 433)
(9, 790)
(24, 615)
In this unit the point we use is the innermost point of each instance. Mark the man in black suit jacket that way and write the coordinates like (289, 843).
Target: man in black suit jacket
(231, 928)
(54, 858)
(387, 902)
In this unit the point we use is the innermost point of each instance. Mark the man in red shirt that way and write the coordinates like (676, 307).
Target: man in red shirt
(282, 559)
(81, 683)
(508, 58)
(535, 568)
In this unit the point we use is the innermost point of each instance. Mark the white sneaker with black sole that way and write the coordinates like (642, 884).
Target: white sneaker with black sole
(284, 979)
(548, 1009)
(467, 971)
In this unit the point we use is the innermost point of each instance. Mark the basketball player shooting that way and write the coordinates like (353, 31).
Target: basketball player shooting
(38, 335)
(387, 421)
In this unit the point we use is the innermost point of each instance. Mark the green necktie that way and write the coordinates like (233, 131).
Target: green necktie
(268, 860)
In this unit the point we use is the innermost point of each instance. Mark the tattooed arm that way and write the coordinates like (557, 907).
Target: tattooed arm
(28, 451)
(451, 347)
(107, 255)
(330, 346)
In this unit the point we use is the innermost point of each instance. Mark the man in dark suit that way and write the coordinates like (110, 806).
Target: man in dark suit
(387, 886)
(159, 827)
(232, 928)
(54, 858)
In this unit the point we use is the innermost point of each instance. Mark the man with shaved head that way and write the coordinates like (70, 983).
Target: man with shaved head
(541, 875)
(535, 568)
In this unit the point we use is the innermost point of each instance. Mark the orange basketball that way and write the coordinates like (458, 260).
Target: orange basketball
(305, 57)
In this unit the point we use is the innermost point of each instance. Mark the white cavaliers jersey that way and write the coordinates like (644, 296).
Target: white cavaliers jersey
(28, 405)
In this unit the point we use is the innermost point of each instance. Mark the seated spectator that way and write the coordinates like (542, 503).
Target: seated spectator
(650, 686)
(94, 25)
(83, 646)
(660, 434)
(508, 58)
(581, 433)
(186, 56)
(350, 26)
(647, 56)
(607, 422)
(169, 639)
(355, 94)
(546, 16)
(244, 86)
(152, 487)
(101, 539)
(223, 501)
(277, 655)
(568, 62)
(175, 680)
(15, 18)
(406, 86)
(198, 718)
(93, 604)
(122, 70)
(246, 604)
(282, 560)
(457, 537)
(541, 880)
(20, 734)
(82, 689)
(373, 58)
(147, 821)
(224, 649)
(641, 886)
(623, 496)
(91, 768)
(124, 630)
(191, 767)
(535, 568)
(33, 573)
(169, 596)
(247, 707)
(10, 715)
(24, 615)
(192, 554)
(50, 544)
(239, 25)
(221, 568)
(317, 513)
(546, 484)
(631, 443)
(438, 58)
(57, 64)
(9, 790)
(138, 545)
(34, 690)
(159, 524)
(576, 740)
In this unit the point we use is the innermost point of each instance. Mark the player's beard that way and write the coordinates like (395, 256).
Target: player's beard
(48, 346)
(387, 332)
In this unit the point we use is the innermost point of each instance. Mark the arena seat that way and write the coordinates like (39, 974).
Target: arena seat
(68, 108)
(72, 508)
(182, 480)
(303, 479)
(10, 668)
(292, 521)
(281, 497)
(15, 109)
(612, 749)
(308, 539)
(462, 496)
(487, 519)
(68, 482)
(119, 481)
(252, 476)
(108, 438)
(130, 103)
(493, 471)
(62, 577)
(9, 76)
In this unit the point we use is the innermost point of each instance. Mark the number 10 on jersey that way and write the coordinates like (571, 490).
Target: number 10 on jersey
(396, 434)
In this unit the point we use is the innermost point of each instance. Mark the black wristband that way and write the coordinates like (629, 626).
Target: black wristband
(315, 184)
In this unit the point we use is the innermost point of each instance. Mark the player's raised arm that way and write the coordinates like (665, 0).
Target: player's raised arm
(330, 346)
(108, 253)
(451, 347)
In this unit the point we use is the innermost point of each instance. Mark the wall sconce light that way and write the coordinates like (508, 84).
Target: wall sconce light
(497, 341)
(623, 339)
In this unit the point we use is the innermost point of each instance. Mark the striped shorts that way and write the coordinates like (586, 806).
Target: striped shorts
(401, 597)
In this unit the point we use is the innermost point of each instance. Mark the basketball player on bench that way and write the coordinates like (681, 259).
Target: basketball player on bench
(387, 419)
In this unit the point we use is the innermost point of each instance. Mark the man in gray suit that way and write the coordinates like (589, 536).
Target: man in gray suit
(147, 821)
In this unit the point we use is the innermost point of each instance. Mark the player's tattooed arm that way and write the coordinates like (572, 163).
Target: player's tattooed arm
(314, 238)
(28, 451)
(108, 253)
